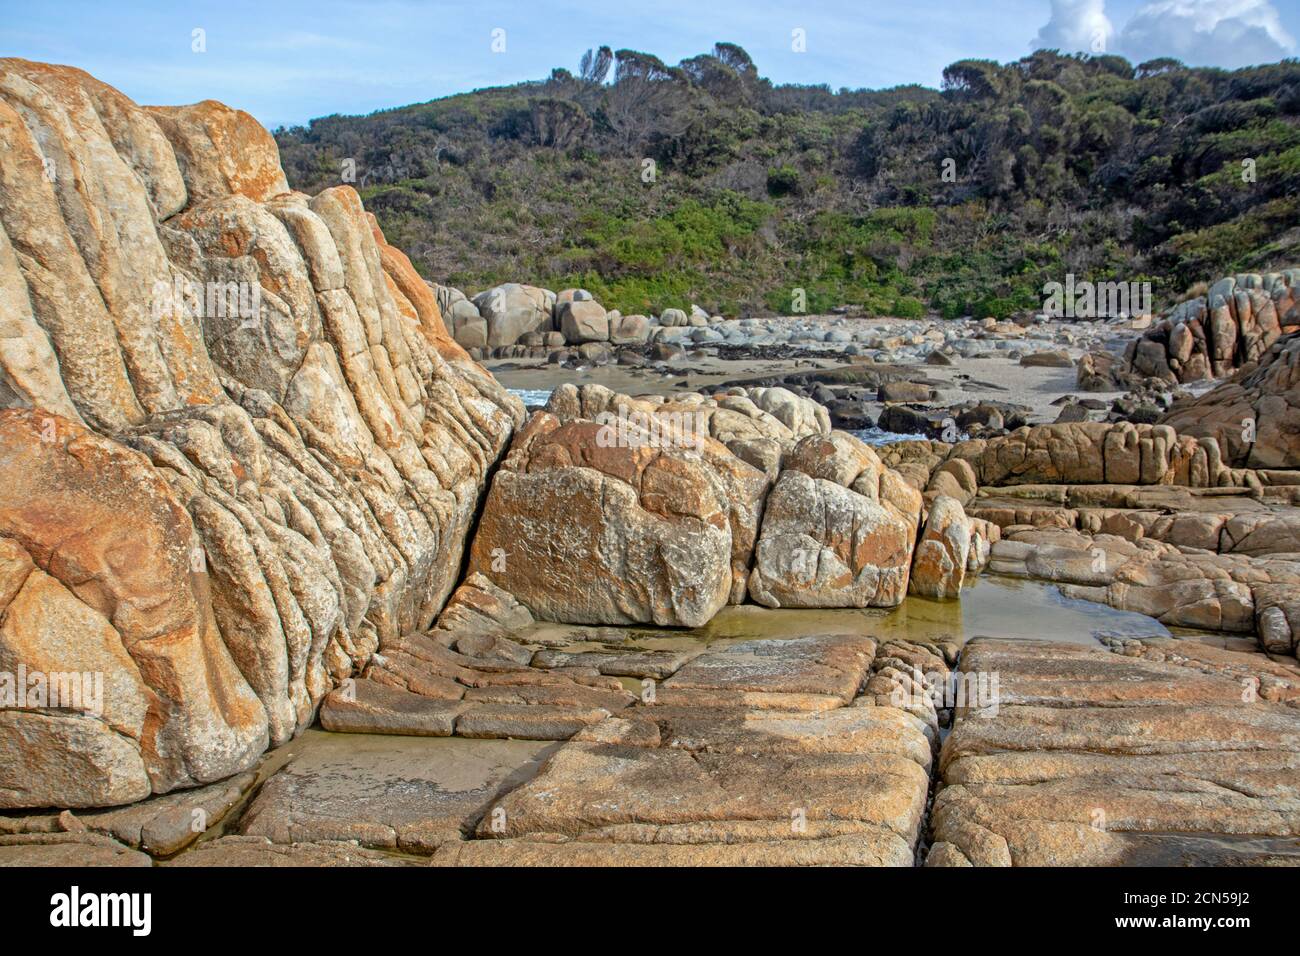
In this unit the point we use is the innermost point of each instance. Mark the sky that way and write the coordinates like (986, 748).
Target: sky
(287, 61)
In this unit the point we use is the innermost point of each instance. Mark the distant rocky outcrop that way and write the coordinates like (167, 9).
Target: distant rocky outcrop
(1255, 416)
(1209, 336)
(240, 449)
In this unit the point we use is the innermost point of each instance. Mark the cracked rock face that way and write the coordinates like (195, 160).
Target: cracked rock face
(764, 753)
(838, 529)
(1255, 416)
(239, 447)
(943, 551)
(1212, 335)
(1094, 758)
(588, 525)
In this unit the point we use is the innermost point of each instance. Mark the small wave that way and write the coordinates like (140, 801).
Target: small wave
(532, 396)
(878, 436)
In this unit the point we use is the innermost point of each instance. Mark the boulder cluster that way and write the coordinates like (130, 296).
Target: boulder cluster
(611, 509)
(510, 319)
(1205, 337)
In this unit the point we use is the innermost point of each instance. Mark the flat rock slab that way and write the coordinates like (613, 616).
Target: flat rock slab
(1057, 674)
(526, 721)
(406, 793)
(599, 785)
(1099, 758)
(67, 849)
(879, 848)
(847, 730)
(830, 665)
(160, 826)
(165, 825)
(259, 851)
(746, 756)
(654, 663)
(1278, 678)
(418, 687)
(369, 707)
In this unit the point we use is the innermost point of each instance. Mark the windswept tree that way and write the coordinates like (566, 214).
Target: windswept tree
(557, 123)
(595, 64)
(647, 97)
(735, 57)
(716, 78)
(973, 79)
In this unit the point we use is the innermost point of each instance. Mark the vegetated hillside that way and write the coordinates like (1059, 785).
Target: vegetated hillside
(1077, 164)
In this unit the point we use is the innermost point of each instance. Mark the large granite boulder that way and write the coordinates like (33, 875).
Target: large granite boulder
(620, 521)
(241, 449)
(838, 529)
(629, 329)
(732, 417)
(583, 320)
(462, 318)
(942, 551)
(512, 310)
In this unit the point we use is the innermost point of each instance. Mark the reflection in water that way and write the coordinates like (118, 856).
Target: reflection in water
(994, 606)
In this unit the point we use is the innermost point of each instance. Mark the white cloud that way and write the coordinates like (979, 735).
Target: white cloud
(1076, 25)
(1227, 33)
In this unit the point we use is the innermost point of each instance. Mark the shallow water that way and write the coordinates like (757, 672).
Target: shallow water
(532, 396)
(994, 606)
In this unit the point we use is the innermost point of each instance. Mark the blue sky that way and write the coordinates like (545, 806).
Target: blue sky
(286, 61)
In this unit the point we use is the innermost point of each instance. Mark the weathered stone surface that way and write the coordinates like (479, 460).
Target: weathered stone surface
(723, 765)
(876, 846)
(1095, 758)
(1053, 359)
(942, 551)
(838, 530)
(221, 152)
(831, 666)
(390, 792)
(241, 503)
(1255, 416)
(369, 707)
(1232, 326)
(653, 664)
(1178, 587)
(527, 721)
(1272, 678)
(629, 330)
(67, 850)
(97, 516)
(601, 785)
(164, 825)
(582, 527)
(583, 321)
(734, 417)
(512, 310)
(50, 759)
(240, 851)
(160, 826)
